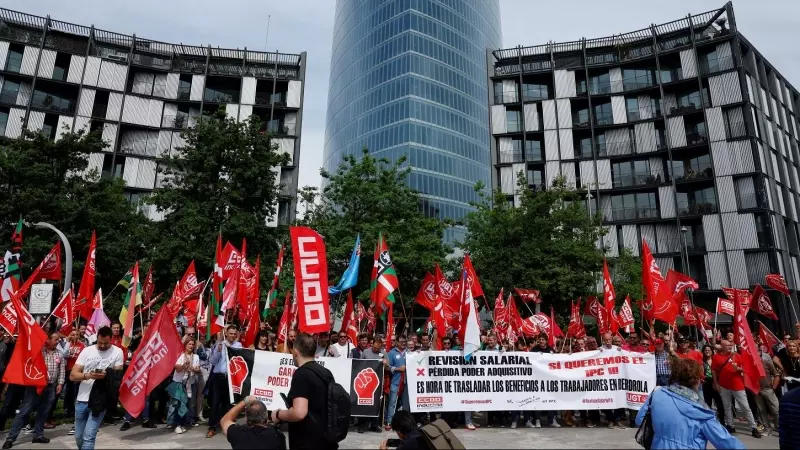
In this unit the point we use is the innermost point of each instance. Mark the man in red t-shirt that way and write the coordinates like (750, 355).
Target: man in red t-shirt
(633, 344)
(726, 368)
(684, 351)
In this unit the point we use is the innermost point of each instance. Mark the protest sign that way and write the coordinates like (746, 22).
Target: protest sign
(267, 375)
(513, 381)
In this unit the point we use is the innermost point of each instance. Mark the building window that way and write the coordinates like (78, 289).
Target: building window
(100, 105)
(3, 120)
(8, 95)
(692, 168)
(734, 123)
(61, 68)
(632, 173)
(702, 201)
(637, 78)
(513, 122)
(50, 126)
(603, 114)
(746, 197)
(634, 206)
(536, 178)
(580, 118)
(14, 58)
(584, 147)
(533, 150)
(696, 133)
(117, 170)
(632, 103)
(534, 91)
(498, 93)
(185, 87)
(620, 240)
(600, 84)
(762, 230)
(600, 145)
(695, 238)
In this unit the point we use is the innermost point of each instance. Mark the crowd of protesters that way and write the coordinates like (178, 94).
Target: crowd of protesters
(197, 392)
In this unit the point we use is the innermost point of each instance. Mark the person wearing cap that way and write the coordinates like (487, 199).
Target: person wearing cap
(663, 370)
(684, 351)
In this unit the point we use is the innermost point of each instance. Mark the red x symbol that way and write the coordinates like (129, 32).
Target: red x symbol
(420, 372)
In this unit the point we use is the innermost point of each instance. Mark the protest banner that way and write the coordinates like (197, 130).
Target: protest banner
(267, 375)
(513, 381)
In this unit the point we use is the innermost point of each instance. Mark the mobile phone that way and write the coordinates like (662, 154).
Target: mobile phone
(392, 443)
(285, 400)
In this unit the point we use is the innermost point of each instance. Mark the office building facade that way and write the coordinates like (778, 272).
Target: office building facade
(142, 94)
(408, 79)
(680, 134)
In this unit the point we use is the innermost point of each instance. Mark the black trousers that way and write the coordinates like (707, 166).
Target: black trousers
(14, 395)
(710, 394)
(220, 398)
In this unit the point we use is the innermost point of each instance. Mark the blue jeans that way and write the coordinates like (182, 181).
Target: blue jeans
(30, 403)
(145, 412)
(86, 425)
(551, 415)
(391, 407)
(526, 415)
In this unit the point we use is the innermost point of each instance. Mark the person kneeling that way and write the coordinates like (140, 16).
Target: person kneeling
(256, 434)
(405, 426)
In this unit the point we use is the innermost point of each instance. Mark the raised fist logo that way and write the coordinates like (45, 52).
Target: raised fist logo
(31, 371)
(365, 384)
(237, 367)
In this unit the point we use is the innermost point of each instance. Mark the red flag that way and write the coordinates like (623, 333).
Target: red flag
(189, 286)
(608, 301)
(678, 282)
(665, 308)
(389, 327)
(530, 327)
(725, 306)
(148, 286)
(528, 295)
(230, 291)
(50, 267)
(8, 318)
(253, 326)
(349, 322)
(190, 311)
(777, 282)
(97, 300)
(426, 296)
(83, 302)
(175, 302)
(439, 320)
(472, 277)
(513, 316)
(283, 325)
(500, 314)
(551, 339)
(26, 366)
(152, 362)
(744, 296)
(688, 312)
(547, 324)
(626, 313)
(576, 328)
(595, 309)
(311, 280)
(763, 304)
(451, 296)
(65, 308)
(767, 337)
(751, 361)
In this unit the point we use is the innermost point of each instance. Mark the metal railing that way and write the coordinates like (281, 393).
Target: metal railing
(42, 100)
(696, 138)
(533, 94)
(675, 108)
(642, 178)
(278, 99)
(625, 147)
(175, 121)
(597, 87)
(696, 209)
(644, 113)
(219, 97)
(670, 75)
(578, 123)
(695, 173)
(279, 127)
(634, 213)
(510, 157)
(604, 119)
(676, 42)
(509, 96)
(151, 61)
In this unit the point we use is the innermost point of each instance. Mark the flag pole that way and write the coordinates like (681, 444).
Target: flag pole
(794, 312)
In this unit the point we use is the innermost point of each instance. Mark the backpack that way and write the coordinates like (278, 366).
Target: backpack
(439, 436)
(337, 402)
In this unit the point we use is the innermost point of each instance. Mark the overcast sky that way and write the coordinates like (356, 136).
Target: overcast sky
(307, 25)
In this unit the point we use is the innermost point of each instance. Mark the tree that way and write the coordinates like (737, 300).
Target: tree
(368, 196)
(222, 180)
(548, 242)
(48, 181)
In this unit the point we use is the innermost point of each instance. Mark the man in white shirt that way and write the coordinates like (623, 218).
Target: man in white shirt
(91, 365)
(343, 347)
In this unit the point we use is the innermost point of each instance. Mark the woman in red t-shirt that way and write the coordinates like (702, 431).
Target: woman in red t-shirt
(71, 388)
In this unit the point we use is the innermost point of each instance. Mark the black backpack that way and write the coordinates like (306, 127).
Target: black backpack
(337, 402)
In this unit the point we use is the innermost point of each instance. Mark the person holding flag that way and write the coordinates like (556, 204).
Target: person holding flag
(728, 375)
(218, 388)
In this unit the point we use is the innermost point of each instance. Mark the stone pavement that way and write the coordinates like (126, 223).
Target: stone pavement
(141, 438)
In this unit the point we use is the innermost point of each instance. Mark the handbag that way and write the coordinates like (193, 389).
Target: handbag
(645, 433)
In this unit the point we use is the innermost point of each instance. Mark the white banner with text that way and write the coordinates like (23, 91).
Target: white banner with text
(514, 381)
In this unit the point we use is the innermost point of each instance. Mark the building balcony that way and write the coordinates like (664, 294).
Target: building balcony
(694, 174)
(696, 209)
(276, 99)
(674, 109)
(715, 65)
(179, 121)
(624, 214)
(636, 179)
(184, 94)
(603, 119)
(44, 101)
(696, 138)
(278, 127)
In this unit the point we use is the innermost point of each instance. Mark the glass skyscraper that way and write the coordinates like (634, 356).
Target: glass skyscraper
(408, 78)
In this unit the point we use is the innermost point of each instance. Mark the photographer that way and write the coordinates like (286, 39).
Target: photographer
(405, 426)
(256, 434)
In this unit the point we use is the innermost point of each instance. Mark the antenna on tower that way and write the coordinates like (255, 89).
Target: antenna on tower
(266, 38)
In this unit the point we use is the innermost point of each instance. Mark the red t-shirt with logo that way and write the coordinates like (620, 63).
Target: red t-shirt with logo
(75, 349)
(692, 354)
(727, 376)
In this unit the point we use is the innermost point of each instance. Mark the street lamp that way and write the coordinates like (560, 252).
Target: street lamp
(685, 252)
(589, 203)
(67, 255)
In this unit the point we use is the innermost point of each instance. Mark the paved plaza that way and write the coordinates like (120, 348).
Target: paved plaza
(600, 437)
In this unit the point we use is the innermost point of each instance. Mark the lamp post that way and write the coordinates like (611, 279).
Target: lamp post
(67, 255)
(685, 252)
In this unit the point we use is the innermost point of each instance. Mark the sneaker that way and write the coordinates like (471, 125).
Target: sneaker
(759, 427)
(41, 440)
(125, 426)
(201, 419)
(387, 427)
(621, 426)
(170, 427)
(470, 427)
(590, 424)
(71, 432)
(180, 430)
(730, 429)
(419, 425)
(27, 429)
(538, 424)
(361, 430)
(610, 425)
(528, 424)
(555, 424)
(514, 424)
(756, 433)
(148, 424)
